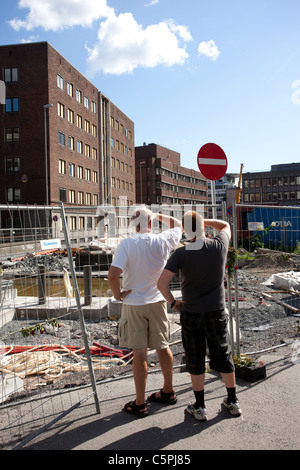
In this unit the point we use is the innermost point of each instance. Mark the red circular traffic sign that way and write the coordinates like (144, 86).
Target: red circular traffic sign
(212, 161)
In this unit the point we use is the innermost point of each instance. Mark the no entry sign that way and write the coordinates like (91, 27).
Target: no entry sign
(212, 162)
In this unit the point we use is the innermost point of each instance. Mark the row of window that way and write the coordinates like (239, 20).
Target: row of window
(119, 165)
(179, 189)
(116, 144)
(274, 181)
(87, 173)
(121, 184)
(80, 98)
(13, 195)
(115, 124)
(180, 177)
(90, 129)
(81, 147)
(70, 196)
(272, 197)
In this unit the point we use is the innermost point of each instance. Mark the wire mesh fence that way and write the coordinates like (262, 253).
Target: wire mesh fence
(59, 321)
(268, 256)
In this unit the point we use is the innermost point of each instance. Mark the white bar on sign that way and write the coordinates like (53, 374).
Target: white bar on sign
(211, 161)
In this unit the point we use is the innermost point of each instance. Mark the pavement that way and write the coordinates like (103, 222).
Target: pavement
(270, 419)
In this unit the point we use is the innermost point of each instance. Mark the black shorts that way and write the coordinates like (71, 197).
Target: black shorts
(206, 330)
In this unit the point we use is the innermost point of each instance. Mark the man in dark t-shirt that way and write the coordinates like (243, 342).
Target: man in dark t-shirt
(202, 308)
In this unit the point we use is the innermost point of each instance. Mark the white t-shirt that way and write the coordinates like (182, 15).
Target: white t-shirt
(142, 258)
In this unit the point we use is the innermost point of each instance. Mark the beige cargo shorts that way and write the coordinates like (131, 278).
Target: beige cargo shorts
(144, 326)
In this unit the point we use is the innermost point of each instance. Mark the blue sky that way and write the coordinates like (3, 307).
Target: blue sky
(186, 72)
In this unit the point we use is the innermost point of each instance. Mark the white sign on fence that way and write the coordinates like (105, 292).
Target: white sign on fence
(255, 226)
(50, 244)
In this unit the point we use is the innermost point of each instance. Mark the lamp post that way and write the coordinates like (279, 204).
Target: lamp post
(141, 182)
(46, 106)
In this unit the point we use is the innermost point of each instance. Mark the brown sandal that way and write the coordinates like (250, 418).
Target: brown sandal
(164, 398)
(138, 410)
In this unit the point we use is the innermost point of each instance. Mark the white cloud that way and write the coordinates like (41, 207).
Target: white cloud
(151, 4)
(57, 15)
(209, 49)
(123, 45)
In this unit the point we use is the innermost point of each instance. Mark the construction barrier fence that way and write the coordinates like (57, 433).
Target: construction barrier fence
(59, 321)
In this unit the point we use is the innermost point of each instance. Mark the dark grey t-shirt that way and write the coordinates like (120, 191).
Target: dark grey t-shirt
(202, 270)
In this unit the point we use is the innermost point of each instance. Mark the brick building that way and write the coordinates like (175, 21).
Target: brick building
(160, 178)
(57, 133)
(280, 186)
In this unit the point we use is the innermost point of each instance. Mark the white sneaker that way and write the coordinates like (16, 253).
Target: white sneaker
(233, 408)
(198, 413)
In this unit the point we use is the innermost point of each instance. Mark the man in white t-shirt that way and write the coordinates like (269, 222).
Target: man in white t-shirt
(144, 319)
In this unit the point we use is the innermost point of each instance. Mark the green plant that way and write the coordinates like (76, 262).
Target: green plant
(243, 361)
(231, 261)
(39, 327)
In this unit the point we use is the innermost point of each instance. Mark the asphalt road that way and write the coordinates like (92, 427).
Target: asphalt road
(270, 419)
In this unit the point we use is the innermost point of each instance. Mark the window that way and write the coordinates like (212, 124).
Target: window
(12, 134)
(88, 199)
(112, 142)
(94, 130)
(13, 194)
(72, 222)
(62, 167)
(80, 172)
(79, 96)
(81, 223)
(60, 110)
(71, 143)
(94, 107)
(87, 126)
(71, 116)
(71, 169)
(80, 197)
(11, 75)
(94, 154)
(60, 82)
(86, 102)
(12, 105)
(79, 121)
(70, 89)
(88, 174)
(95, 176)
(89, 225)
(62, 195)
(79, 146)
(95, 199)
(13, 164)
(61, 138)
(71, 196)
(87, 150)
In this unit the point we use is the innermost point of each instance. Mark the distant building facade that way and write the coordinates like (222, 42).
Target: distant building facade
(279, 186)
(160, 178)
(57, 135)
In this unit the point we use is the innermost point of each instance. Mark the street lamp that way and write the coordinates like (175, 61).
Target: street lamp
(141, 183)
(46, 106)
